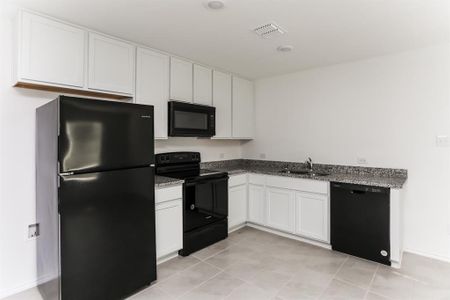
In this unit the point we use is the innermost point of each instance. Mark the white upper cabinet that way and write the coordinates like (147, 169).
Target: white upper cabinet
(222, 102)
(152, 86)
(50, 52)
(180, 80)
(111, 64)
(202, 85)
(243, 108)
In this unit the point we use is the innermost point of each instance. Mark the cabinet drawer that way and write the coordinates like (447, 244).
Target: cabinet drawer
(237, 180)
(299, 184)
(167, 194)
(257, 179)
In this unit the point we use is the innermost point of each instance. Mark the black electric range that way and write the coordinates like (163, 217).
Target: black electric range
(205, 199)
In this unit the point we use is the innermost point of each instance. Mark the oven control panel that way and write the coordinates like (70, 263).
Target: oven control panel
(177, 157)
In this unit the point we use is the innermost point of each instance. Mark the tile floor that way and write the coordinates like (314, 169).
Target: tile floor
(253, 264)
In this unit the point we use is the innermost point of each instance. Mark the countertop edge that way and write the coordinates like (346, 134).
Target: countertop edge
(363, 180)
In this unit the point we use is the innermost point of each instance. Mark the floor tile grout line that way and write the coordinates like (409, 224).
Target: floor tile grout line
(198, 285)
(177, 272)
(334, 276)
(371, 281)
(208, 263)
(208, 257)
(284, 285)
(376, 293)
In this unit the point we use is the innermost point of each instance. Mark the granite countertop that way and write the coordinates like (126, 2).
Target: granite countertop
(382, 177)
(162, 182)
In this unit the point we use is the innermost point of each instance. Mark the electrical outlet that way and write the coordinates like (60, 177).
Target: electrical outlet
(361, 161)
(222, 155)
(33, 231)
(262, 155)
(442, 141)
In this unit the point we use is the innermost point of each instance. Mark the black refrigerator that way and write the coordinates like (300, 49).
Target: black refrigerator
(95, 198)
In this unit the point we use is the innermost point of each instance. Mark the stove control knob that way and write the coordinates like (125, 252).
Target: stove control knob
(192, 206)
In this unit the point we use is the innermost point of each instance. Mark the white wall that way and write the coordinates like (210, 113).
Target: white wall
(17, 166)
(210, 150)
(388, 110)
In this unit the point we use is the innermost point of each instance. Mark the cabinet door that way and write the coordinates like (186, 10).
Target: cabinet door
(180, 80)
(312, 216)
(111, 64)
(280, 209)
(237, 208)
(243, 108)
(152, 86)
(222, 102)
(169, 227)
(202, 85)
(256, 204)
(51, 52)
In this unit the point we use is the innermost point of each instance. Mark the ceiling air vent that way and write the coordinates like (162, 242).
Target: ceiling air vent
(269, 30)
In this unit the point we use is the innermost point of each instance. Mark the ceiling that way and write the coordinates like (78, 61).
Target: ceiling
(323, 32)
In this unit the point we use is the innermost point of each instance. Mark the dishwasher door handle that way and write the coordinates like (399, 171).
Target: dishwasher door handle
(357, 192)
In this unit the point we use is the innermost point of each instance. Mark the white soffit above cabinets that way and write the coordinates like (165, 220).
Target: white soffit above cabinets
(323, 32)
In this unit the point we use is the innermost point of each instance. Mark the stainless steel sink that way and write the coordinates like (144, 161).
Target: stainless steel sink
(303, 172)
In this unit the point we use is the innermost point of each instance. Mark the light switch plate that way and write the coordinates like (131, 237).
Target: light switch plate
(442, 141)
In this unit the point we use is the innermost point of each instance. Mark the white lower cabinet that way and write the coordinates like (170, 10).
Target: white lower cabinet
(237, 205)
(312, 216)
(256, 203)
(169, 220)
(292, 205)
(280, 209)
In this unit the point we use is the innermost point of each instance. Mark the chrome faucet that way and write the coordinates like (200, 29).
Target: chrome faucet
(309, 164)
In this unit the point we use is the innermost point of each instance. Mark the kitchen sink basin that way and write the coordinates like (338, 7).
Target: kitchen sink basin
(303, 172)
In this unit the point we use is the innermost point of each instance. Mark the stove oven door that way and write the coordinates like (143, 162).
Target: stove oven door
(205, 201)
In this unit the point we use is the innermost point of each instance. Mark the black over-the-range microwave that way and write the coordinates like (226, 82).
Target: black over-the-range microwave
(187, 119)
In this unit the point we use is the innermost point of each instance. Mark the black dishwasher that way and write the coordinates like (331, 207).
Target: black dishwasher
(360, 221)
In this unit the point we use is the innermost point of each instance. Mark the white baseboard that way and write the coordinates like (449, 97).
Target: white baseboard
(26, 285)
(166, 257)
(237, 227)
(429, 255)
(291, 236)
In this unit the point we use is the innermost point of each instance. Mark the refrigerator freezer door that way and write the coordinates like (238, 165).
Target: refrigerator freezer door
(99, 135)
(107, 233)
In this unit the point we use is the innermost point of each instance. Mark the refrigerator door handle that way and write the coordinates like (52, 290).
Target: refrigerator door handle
(66, 173)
